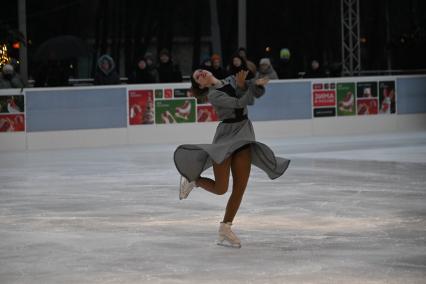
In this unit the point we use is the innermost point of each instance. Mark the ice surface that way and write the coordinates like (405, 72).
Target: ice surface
(348, 210)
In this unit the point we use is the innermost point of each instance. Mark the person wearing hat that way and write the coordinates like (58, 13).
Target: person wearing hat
(168, 71)
(9, 78)
(284, 66)
(266, 70)
(217, 70)
(106, 73)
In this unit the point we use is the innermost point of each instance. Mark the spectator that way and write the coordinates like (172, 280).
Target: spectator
(217, 70)
(237, 64)
(266, 70)
(284, 67)
(315, 71)
(150, 63)
(105, 73)
(142, 73)
(250, 65)
(168, 71)
(9, 78)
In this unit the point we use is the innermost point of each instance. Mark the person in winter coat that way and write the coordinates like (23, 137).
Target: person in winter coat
(315, 71)
(237, 64)
(9, 78)
(250, 65)
(105, 72)
(217, 70)
(143, 73)
(168, 71)
(266, 70)
(152, 68)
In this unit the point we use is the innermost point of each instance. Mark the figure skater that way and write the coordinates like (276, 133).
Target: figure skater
(234, 147)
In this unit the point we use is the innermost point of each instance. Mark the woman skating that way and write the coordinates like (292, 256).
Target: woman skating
(234, 147)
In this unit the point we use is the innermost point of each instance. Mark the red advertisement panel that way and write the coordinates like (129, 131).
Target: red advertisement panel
(367, 106)
(168, 93)
(141, 107)
(206, 113)
(12, 122)
(324, 98)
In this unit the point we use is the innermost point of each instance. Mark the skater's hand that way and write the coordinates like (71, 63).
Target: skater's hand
(240, 79)
(261, 81)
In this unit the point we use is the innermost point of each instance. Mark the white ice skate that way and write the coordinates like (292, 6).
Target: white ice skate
(185, 187)
(227, 238)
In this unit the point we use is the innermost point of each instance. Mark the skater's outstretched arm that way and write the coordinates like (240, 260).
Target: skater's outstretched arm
(257, 86)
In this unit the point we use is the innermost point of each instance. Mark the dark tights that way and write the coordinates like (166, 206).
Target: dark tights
(239, 164)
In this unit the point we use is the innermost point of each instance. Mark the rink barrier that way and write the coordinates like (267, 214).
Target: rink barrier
(97, 116)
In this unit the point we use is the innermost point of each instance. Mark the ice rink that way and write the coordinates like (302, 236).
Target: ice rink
(349, 209)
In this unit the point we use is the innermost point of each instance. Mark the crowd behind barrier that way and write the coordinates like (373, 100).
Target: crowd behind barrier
(149, 69)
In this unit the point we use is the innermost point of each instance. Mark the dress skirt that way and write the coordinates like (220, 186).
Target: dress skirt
(192, 159)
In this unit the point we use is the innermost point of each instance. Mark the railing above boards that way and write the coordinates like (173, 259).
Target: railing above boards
(301, 75)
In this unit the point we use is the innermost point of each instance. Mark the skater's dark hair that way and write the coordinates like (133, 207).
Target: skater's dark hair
(196, 90)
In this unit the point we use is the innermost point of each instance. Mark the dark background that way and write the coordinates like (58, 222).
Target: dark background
(393, 31)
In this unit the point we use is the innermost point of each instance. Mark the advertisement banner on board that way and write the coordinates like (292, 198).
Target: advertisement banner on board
(367, 106)
(168, 94)
(366, 90)
(158, 93)
(182, 93)
(12, 113)
(325, 112)
(387, 97)
(175, 111)
(324, 99)
(12, 122)
(12, 104)
(206, 113)
(345, 99)
(141, 107)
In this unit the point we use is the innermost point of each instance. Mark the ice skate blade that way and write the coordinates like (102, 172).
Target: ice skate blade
(228, 245)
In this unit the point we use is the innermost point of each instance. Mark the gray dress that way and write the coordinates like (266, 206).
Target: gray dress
(234, 132)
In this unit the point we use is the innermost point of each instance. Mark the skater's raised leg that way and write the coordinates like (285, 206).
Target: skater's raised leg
(221, 172)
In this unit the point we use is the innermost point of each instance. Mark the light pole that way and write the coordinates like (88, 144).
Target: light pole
(23, 57)
(242, 23)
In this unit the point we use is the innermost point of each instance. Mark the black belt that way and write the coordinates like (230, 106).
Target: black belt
(236, 119)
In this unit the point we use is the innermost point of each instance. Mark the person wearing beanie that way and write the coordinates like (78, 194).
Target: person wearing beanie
(9, 78)
(284, 67)
(168, 71)
(217, 70)
(266, 70)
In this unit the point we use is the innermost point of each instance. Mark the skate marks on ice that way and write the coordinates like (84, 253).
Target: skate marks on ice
(110, 215)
